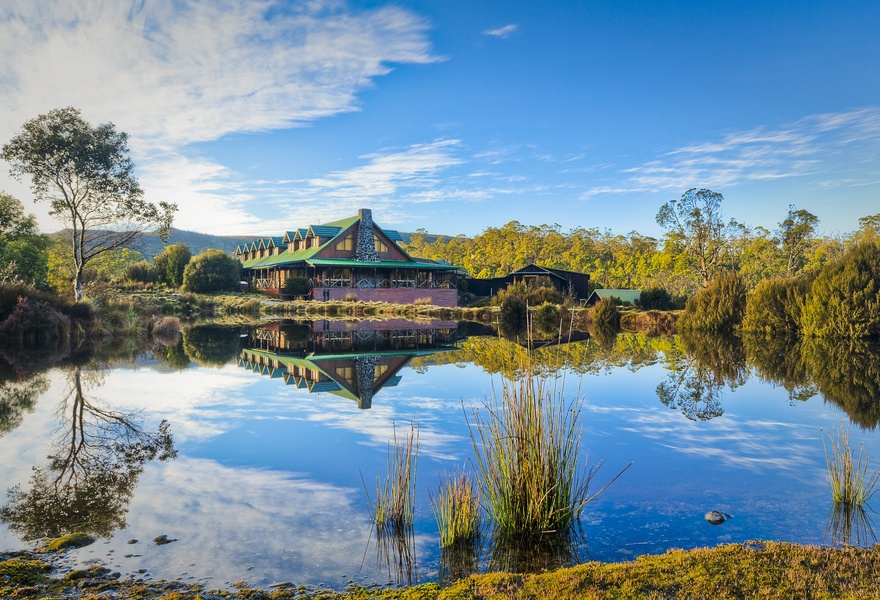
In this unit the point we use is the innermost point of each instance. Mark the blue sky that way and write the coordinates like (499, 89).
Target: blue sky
(257, 117)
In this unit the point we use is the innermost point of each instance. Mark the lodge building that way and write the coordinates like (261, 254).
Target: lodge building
(352, 259)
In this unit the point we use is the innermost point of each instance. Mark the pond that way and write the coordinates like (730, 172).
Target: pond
(255, 448)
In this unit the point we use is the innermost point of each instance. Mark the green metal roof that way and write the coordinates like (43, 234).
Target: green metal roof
(381, 264)
(623, 295)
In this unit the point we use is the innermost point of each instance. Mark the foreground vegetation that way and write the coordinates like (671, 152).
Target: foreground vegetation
(755, 570)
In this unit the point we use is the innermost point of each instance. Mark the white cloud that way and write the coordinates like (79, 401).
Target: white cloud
(502, 32)
(817, 148)
(173, 73)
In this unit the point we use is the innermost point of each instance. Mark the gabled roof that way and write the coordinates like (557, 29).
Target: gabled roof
(630, 296)
(329, 232)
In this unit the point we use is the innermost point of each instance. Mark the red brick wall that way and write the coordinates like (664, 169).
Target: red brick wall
(438, 296)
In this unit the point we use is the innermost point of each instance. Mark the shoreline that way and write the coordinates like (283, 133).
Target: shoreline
(748, 570)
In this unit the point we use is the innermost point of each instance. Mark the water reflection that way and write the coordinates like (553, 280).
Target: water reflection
(539, 552)
(98, 455)
(699, 371)
(336, 357)
(18, 395)
(396, 549)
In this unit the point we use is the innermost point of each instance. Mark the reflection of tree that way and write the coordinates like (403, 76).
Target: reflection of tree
(211, 344)
(497, 355)
(173, 355)
(847, 372)
(699, 373)
(779, 361)
(18, 397)
(90, 478)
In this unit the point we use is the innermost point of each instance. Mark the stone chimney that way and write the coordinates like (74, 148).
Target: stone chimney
(365, 248)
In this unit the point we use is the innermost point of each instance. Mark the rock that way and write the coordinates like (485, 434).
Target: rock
(716, 517)
(162, 539)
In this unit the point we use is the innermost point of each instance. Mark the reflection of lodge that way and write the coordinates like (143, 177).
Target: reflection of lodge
(333, 357)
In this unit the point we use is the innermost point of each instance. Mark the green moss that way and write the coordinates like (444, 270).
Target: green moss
(19, 571)
(72, 540)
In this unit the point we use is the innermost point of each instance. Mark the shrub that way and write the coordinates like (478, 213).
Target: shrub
(170, 264)
(142, 272)
(606, 315)
(719, 307)
(532, 295)
(775, 305)
(33, 323)
(655, 299)
(212, 271)
(844, 301)
(295, 286)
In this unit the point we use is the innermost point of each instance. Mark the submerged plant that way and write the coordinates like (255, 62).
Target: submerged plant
(457, 510)
(395, 494)
(527, 449)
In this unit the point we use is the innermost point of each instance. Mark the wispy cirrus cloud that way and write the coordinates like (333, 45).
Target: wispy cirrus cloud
(502, 32)
(817, 148)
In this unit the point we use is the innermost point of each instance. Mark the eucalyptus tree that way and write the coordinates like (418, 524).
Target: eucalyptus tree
(695, 223)
(86, 175)
(796, 233)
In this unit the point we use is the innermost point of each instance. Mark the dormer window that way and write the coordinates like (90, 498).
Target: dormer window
(379, 245)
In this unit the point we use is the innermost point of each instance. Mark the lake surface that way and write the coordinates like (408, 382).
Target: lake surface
(252, 447)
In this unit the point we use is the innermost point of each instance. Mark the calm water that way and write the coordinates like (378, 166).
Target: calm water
(274, 431)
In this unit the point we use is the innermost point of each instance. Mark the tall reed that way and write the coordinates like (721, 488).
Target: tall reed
(457, 510)
(851, 484)
(527, 447)
(395, 493)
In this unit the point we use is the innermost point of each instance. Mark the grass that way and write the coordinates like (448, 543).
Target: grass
(527, 448)
(457, 510)
(851, 484)
(395, 493)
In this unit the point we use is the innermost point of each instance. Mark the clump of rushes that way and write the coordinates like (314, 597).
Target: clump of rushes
(457, 510)
(851, 484)
(395, 494)
(527, 449)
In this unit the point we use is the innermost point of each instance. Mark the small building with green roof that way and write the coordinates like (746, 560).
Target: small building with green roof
(351, 258)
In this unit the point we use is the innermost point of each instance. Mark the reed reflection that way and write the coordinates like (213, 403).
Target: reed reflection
(97, 456)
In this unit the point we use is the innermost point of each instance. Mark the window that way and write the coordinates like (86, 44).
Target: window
(346, 244)
(379, 245)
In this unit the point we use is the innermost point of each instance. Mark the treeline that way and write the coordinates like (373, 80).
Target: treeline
(699, 245)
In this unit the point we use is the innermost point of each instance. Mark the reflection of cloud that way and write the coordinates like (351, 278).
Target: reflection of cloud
(251, 524)
(743, 444)
(214, 401)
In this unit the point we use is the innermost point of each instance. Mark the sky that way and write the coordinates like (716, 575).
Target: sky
(458, 115)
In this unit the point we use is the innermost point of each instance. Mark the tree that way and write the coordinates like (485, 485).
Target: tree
(170, 263)
(796, 234)
(696, 224)
(84, 172)
(23, 251)
(212, 271)
(844, 301)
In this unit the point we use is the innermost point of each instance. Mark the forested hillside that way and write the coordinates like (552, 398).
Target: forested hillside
(632, 260)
